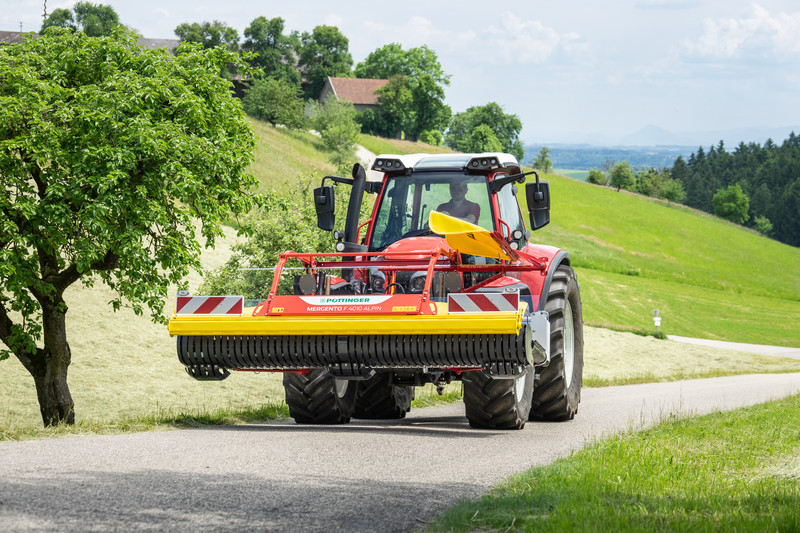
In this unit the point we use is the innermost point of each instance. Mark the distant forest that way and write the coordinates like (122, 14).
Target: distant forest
(769, 175)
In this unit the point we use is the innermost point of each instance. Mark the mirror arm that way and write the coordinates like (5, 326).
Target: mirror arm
(498, 184)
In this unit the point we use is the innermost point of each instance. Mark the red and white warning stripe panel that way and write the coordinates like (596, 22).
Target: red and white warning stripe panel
(210, 305)
(483, 302)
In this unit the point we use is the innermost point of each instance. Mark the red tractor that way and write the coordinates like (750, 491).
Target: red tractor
(440, 284)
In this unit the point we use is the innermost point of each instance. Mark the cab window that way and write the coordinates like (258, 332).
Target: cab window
(509, 210)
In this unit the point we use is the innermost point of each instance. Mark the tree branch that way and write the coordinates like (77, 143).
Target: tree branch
(70, 275)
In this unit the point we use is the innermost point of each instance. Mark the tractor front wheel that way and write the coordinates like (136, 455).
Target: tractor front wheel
(558, 391)
(319, 398)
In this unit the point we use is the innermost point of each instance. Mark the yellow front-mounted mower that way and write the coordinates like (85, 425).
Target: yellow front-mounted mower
(443, 285)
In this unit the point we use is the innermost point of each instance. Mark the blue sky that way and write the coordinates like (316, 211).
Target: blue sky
(567, 69)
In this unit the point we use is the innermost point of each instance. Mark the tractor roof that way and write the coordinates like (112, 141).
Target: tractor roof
(484, 163)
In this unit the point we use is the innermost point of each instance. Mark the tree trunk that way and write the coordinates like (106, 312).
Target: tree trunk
(55, 400)
(48, 366)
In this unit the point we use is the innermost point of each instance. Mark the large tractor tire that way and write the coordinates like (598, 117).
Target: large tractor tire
(378, 399)
(319, 398)
(497, 403)
(558, 390)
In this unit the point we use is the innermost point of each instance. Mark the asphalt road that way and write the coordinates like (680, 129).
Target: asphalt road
(364, 476)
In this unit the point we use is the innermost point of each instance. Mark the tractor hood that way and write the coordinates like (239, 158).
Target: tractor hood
(421, 245)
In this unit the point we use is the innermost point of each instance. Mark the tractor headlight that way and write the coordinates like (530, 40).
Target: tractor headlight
(417, 283)
(377, 280)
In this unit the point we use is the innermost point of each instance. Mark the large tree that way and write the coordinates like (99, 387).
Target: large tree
(505, 127)
(275, 50)
(391, 60)
(110, 154)
(94, 20)
(323, 52)
(209, 34)
(732, 204)
(413, 101)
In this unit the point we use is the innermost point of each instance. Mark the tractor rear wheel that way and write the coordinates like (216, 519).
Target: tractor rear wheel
(558, 391)
(497, 403)
(319, 398)
(379, 399)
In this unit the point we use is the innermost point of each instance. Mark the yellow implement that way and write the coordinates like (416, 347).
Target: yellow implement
(441, 323)
(465, 237)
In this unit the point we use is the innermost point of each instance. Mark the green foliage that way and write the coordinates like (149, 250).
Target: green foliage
(481, 139)
(732, 204)
(659, 184)
(323, 52)
(621, 176)
(209, 34)
(505, 127)
(391, 60)
(733, 471)
(110, 154)
(432, 137)
(277, 102)
(95, 20)
(336, 123)
(542, 161)
(763, 225)
(429, 109)
(394, 114)
(597, 177)
(275, 50)
(285, 222)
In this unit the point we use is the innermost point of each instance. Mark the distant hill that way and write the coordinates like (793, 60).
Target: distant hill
(587, 157)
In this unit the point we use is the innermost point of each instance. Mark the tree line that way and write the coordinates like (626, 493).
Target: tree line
(288, 70)
(763, 180)
(757, 186)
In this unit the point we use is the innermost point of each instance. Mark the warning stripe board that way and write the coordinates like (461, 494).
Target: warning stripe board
(483, 302)
(210, 305)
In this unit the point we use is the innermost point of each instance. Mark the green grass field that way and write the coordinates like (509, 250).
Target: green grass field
(574, 174)
(735, 471)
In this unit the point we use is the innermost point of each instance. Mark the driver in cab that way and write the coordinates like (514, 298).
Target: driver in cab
(459, 206)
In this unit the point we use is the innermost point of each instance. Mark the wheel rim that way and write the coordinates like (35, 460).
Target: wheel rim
(341, 387)
(569, 343)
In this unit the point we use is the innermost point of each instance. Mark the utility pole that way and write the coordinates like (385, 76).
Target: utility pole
(45, 10)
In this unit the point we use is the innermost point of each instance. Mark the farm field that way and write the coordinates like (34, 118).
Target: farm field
(708, 278)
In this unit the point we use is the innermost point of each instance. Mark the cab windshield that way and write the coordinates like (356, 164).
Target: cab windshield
(408, 202)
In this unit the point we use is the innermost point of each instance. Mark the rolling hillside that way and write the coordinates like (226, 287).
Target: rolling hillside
(707, 277)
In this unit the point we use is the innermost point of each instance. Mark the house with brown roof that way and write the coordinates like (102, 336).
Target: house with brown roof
(359, 91)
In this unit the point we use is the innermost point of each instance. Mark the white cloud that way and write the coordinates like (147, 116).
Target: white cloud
(509, 40)
(163, 12)
(759, 34)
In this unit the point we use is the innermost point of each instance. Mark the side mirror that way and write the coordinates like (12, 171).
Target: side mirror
(323, 203)
(538, 196)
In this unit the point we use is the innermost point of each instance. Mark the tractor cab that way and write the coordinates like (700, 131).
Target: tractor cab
(477, 188)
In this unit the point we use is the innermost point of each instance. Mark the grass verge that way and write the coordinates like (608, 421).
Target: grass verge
(733, 471)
